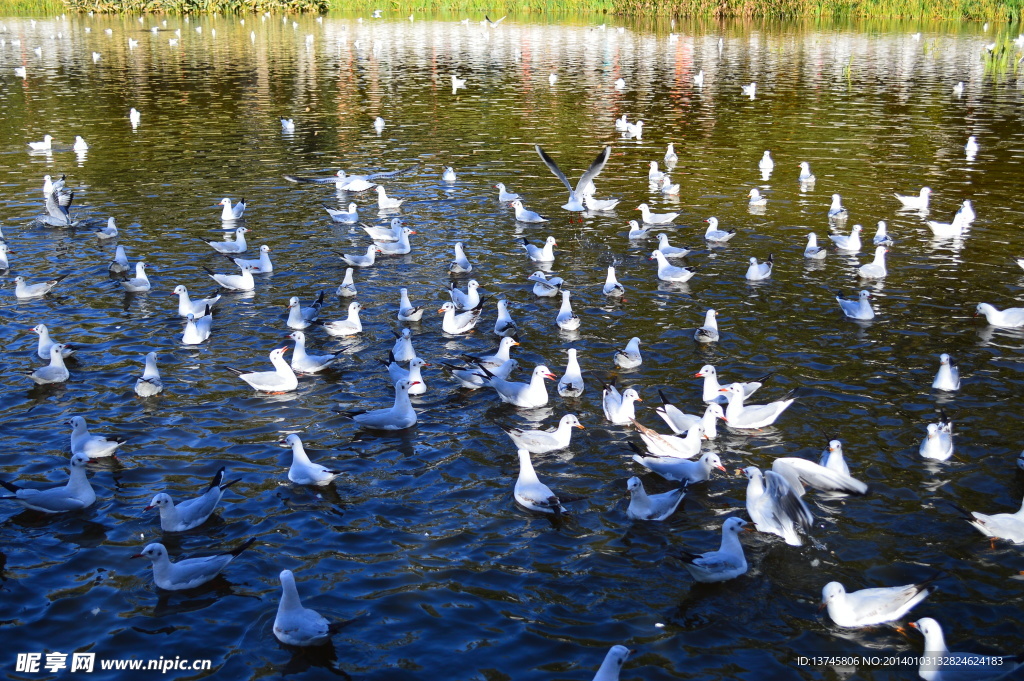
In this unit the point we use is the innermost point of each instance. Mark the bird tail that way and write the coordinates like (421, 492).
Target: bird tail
(10, 487)
(249, 542)
(236, 372)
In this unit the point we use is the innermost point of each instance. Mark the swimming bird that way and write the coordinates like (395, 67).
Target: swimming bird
(523, 215)
(805, 173)
(836, 211)
(504, 325)
(414, 374)
(636, 231)
(362, 260)
(620, 84)
(1008, 318)
(471, 378)
(728, 562)
(229, 213)
(461, 264)
(1009, 526)
(654, 175)
(716, 235)
(750, 90)
(868, 607)
(58, 209)
(919, 202)
(45, 343)
(295, 625)
(635, 130)
(465, 300)
(348, 216)
(671, 158)
(399, 416)
(544, 286)
(457, 82)
(140, 282)
(302, 471)
(530, 492)
(571, 383)
(448, 175)
(756, 199)
(629, 358)
(575, 202)
(197, 330)
(667, 188)
(543, 441)
(187, 573)
(187, 306)
(191, 512)
(282, 379)
(505, 196)
(399, 247)
(80, 144)
(23, 290)
(456, 323)
(134, 117)
(567, 320)
(813, 251)
(946, 230)
(966, 213)
(679, 469)
(766, 162)
(384, 202)
(390, 233)
(347, 288)
(45, 145)
(150, 383)
(940, 664)
(4, 262)
(832, 458)
(713, 390)
(708, 332)
(530, 395)
(876, 268)
(882, 237)
(857, 309)
(305, 363)
(971, 148)
(349, 326)
(287, 125)
(739, 415)
(498, 358)
(698, 80)
(958, 89)
(74, 495)
(541, 254)
(668, 272)
(760, 271)
(650, 218)
(775, 507)
(55, 371)
(350, 183)
(92, 446)
(107, 231)
(230, 247)
(612, 287)
(612, 664)
(262, 264)
(403, 349)
(618, 407)
(596, 205)
(234, 282)
(643, 506)
(938, 443)
(621, 123)
(668, 250)
(378, 124)
(406, 311)
(948, 377)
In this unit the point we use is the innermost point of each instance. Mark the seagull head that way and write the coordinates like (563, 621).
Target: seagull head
(154, 552)
(159, 501)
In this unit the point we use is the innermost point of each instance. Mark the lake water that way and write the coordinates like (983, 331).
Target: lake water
(419, 544)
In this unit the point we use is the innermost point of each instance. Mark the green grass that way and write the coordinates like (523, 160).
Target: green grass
(31, 7)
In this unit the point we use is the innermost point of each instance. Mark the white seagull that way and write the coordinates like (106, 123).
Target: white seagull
(919, 202)
(229, 212)
(75, 495)
(618, 407)
(868, 607)
(612, 287)
(234, 282)
(544, 253)
(813, 251)
(403, 349)
(348, 216)
(612, 665)
(456, 323)
(140, 282)
(504, 325)
(384, 202)
(728, 562)
(567, 320)
(1007, 318)
(349, 326)
(524, 215)
(362, 260)
(23, 290)
(150, 383)
(760, 271)
(197, 330)
(543, 441)
(295, 625)
(282, 379)
(505, 196)
(938, 443)
(399, 416)
(461, 264)
(849, 242)
(465, 300)
(55, 371)
(668, 272)
(716, 235)
(629, 357)
(347, 288)
(191, 512)
(668, 250)
(713, 390)
(301, 317)
(876, 268)
(1009, 526)
(575, 202)
(857, 309)
(305, 363)
(303, 471)
(940, 664)
(406, 311)
(532, 395)
(948, 376)
(530, 492)
(775, 507)
(650, 218)
(681, 470)
(644, 506)
(739, 415)
(708, 332)
(187, 306)
(45, 343)
(187, 573)
(571, 383)
(544, 286)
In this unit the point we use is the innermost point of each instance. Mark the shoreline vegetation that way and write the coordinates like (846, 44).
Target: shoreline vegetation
(1008, 11)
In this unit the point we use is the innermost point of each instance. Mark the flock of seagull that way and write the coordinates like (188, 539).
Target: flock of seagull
(774, 498)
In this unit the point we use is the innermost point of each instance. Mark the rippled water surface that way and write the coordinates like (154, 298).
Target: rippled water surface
(419, 544)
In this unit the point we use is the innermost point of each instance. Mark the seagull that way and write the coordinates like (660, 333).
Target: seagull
(713, 390)
(750, 90)
(759, 271)
(667, 188)
(58, 209)
(187, 306)
(621, 123)
(4, 262)
(598, 205)
(671, 158)
(836, 211)
(344, 216)
(643, 506)
(282, 379)
(235, 282)
(21, 72)
(413, 374)
(532, 395)
(47, 143)
(348, 183)
(940, 664)
(1009, 526)
(378, 124)
(229, 212)
(708, 333)
(23, 290)
(544, 287)
(799, 472)
(832, 458)
(347, 289)
(667, 272)
(45, 343)
(399, 247)
(813, 251)
(349, 326)
(287, 125)
(739, 415)
(775, 507)
(498, 358)
(571, 383)
(75, 495)
(457, 82)
(384, 202)
(567, 320)
(543, 441)
(882, 237)
(523, 215)
(187, 573)
(134, 117)
(698, 80)
(468, 300)
(868, 607)
(80, 144)
(938, 443)
(728, 562)
(919, 202)
(668, 250)
(55, 371)
(406, 311)
(876, 268)
(461, 264)
(635, 129)
(630, 357)
(505, 325)
(363, 260)
(715, 235)
(948, 377)
(390, 233)
(150, 383)
(805, 173)
(654, 175)
(971, 148)
(295, 625)
(305, 363)
(197, 330)
(756, 199)
(505, 196)
(857, 309)
(192, 512)
(530, 492)
(612, 665)
(230, 247)
(262, 264)
(958, 89)
(1008, 318)
(541, 254)
(108, 231)
(397, 417)
(966, 212)
(611, 285)
(766, 162)
(619, 408)
(448, 175)
(303, 471)
(140, 282)
(650, 218)
(575, 202)
(403, 349)
(620, 84)
(946, 230)
(457, 323)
